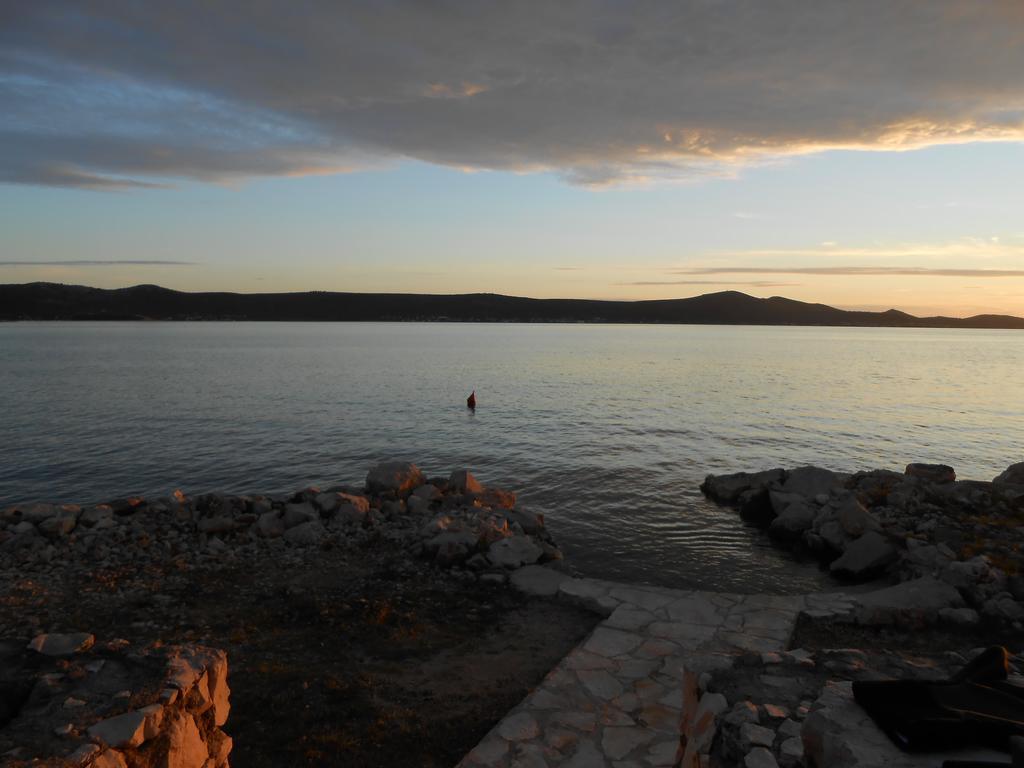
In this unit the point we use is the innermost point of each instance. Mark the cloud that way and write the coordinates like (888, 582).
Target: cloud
(119, 94)
(852, 271)
(96, 263)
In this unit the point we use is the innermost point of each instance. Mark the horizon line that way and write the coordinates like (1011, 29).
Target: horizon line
(526, 298)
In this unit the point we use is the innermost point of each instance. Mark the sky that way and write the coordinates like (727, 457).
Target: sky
(866, 155)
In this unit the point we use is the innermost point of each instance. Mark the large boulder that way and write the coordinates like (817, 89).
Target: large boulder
(811, 481)
(270, 525)
(756, 506)
(297, 514)
(59, 525)
(462, 481)
(793, 521)
(530, 522)
(864, 557)
(1012, 475)
(873, 487)
(62, 644)
(399, 477)
(305, 534)
(428, 492)
(726, 489)
(36, 513)
(514, 552)
(95, 515)
(781, 500)
(916, 602)
(350, 514)
(854, 519)
(931, 473)
(451, 547)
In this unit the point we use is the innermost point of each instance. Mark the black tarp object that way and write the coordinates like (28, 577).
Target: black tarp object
(975, 707)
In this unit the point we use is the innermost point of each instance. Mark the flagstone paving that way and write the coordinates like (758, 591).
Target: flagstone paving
(616, 699)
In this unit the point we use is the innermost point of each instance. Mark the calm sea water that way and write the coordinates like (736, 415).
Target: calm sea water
(608, 430)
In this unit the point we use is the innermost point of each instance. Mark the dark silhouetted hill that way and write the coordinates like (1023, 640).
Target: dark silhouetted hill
(52, 301)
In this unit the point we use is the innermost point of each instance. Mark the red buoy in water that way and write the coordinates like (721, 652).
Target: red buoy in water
(471, 400)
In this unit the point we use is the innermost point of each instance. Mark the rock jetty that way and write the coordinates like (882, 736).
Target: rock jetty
(920, 523)
(454, 521)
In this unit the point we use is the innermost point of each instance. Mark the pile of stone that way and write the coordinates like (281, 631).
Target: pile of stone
(65, 700)
(455, 521)
(796, 708)
(919, 523)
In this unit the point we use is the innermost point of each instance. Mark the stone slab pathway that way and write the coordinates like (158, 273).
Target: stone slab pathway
(616, 699)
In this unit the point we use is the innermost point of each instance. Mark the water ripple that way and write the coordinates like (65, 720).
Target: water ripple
(607, 430)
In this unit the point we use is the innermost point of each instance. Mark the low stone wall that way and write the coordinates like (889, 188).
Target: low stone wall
(454, 521)
(65, 700)
(921, 523)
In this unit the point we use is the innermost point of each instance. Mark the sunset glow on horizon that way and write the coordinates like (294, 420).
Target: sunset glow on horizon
(868, 157)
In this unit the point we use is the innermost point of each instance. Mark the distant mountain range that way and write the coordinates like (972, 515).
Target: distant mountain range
(52, 301)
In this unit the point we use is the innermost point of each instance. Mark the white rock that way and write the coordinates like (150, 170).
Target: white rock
(127, 730)
(617, 742)
(361, 503)
(397, 476)
(82, 756)
(752, 735)
(59, 525)
(109, 758)
(794, 520)
(270, 525)
(585, 756)
(298, 514)
(305, 534)
(36, 513)
(462, 481)
(513, 552)
(791, 752)
(1012, 475)
(452, 546)
(186, 748)
(328, 502)
(810, 481)
(961, 616)
(350, 514)
(759, 757)
(865, 556)
(915, 601)
(611, 642)
(62, 645)
(428, 492)
(538, 580)
(519, 727)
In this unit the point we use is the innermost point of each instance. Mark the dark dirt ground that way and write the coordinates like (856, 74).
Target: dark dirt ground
(355, 658)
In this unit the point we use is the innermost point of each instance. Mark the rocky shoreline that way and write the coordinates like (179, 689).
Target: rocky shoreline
(317, 596)
(394, 623)
(477, 532)
(922, 523)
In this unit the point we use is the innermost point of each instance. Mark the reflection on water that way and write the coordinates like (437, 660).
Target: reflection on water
(608, 430)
